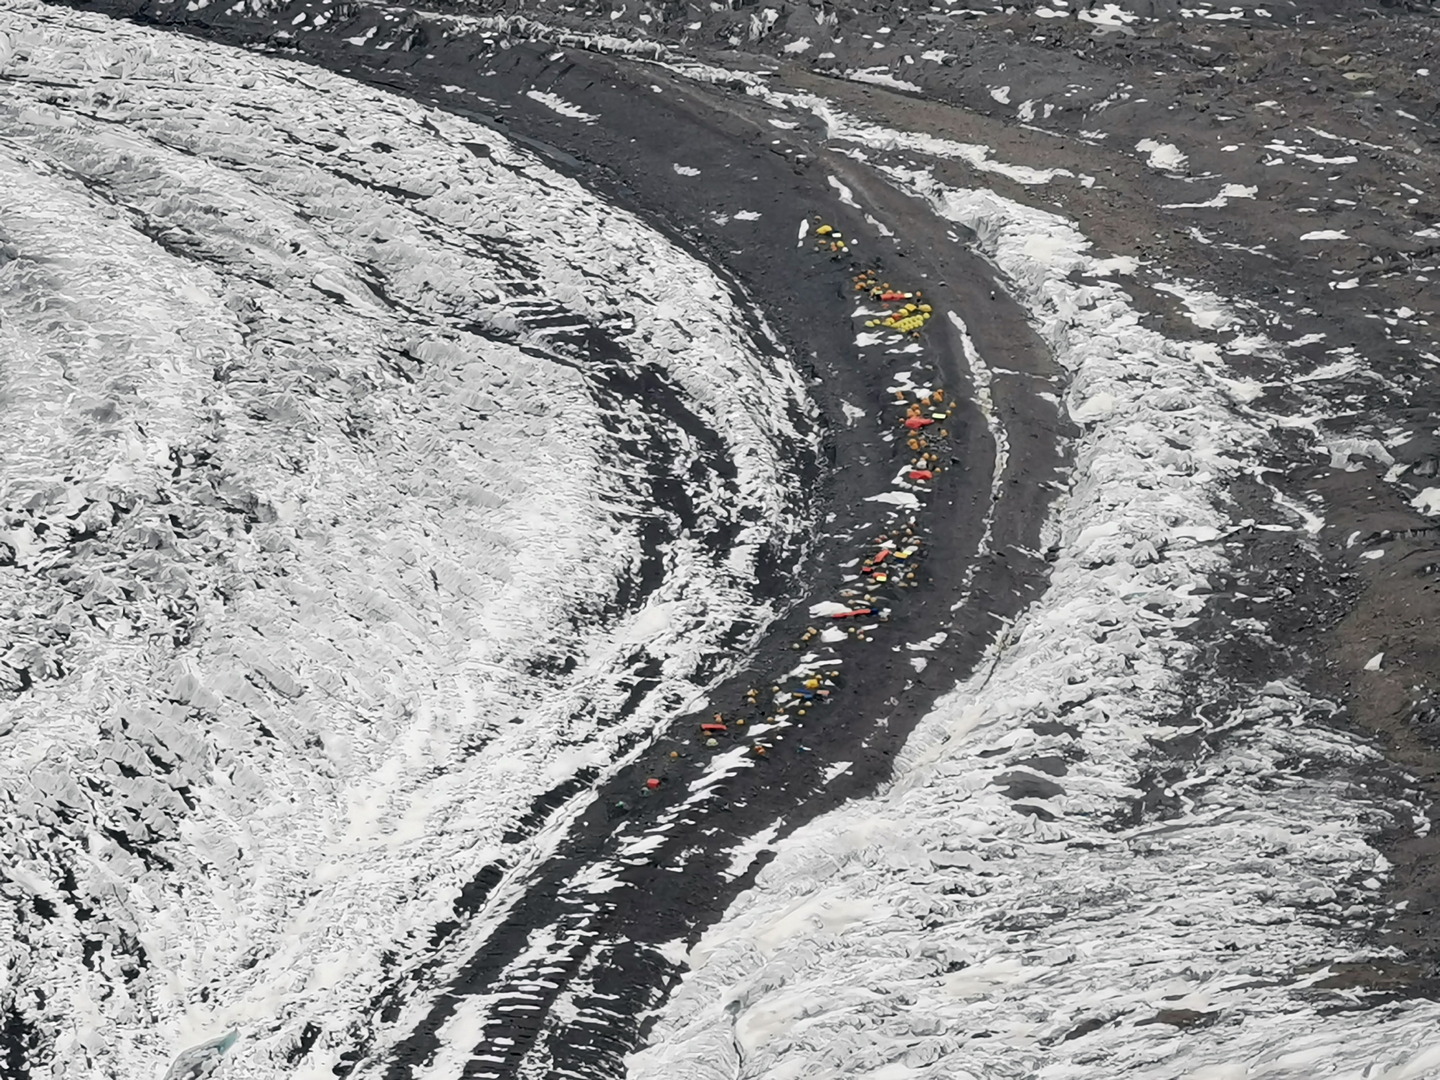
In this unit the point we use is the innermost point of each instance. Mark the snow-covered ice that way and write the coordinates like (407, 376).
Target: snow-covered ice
(322, 502)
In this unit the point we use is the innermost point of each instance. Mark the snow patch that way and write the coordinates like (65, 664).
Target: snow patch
(879, 76)
(1161, 156)
(844, 192)
(1427, 501)
(556, 103)
(842, 126)
(903, 499)
(1227, 192)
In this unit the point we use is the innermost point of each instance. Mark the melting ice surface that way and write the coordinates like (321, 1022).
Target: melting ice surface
(333, 540)
(953, 929)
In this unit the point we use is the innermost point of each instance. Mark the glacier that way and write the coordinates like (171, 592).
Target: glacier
(338, 435)
(268, 294)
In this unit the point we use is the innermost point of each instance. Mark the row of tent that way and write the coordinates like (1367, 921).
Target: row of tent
(890, 562)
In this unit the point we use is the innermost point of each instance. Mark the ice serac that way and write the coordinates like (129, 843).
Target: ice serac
(200, 1061)
(992, 914)
(340, 553)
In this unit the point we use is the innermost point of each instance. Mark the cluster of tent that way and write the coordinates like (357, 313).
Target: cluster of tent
(890, 561)
(927, 410)
(828, 237)
(909, 318)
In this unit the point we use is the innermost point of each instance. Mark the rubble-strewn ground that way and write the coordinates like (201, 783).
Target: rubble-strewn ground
(1257, 185)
